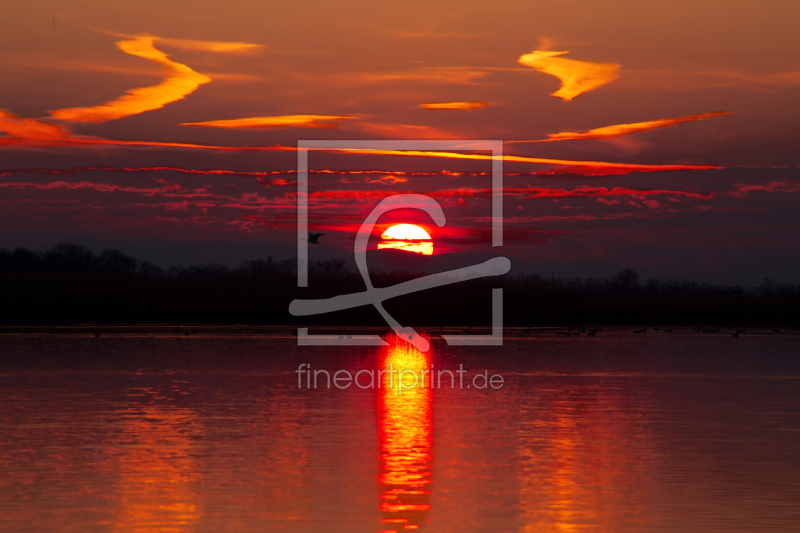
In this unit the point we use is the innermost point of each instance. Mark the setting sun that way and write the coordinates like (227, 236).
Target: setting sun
(407, 237)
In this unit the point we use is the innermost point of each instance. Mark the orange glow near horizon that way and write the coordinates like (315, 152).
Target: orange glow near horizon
(405, 431)
(577, 77)
(407, 237)
(180, 82)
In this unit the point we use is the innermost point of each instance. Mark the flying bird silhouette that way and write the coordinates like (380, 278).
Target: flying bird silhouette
(313, 238)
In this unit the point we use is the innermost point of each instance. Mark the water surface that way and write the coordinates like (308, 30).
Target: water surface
(209, 432)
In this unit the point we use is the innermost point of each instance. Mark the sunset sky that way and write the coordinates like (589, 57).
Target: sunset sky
(656, 135)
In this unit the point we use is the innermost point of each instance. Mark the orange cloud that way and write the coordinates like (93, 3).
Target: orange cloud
(285, 121)
(32, 132)
(181, 81)
(25, 128)
(210, 46)
(455, 105)
(611, 132)
(22, 131)
(626, 167)
(577, 77)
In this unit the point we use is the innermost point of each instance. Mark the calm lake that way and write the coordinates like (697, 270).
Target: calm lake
(210, 432)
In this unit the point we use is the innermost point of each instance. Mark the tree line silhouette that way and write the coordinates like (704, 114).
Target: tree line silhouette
(70, 284)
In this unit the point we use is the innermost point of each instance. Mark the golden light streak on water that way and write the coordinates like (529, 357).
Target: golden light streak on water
(405, 428)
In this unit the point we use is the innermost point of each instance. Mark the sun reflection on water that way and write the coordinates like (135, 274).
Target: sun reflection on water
(405, 429)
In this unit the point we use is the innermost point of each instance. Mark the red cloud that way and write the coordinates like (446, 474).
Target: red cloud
(529, 192)
(386, 180)
(743, 191)
(595, 192)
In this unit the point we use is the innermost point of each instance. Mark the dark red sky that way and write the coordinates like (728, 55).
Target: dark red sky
(114, 85)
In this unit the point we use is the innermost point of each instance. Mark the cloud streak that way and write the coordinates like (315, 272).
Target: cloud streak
(526, 192)
(29, 132)
(388, 176)
(283, 121)
(454, 105)
(17, 127)
(618, 130)
(403, 131)
(32, 132)
(180, 82)
(211, 46)
(743, 190)
(434, 75)
(338, 172)
(577, 77)
(602, 192)
(583, 165)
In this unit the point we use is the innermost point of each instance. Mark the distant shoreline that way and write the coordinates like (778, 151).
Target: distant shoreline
(70, 285)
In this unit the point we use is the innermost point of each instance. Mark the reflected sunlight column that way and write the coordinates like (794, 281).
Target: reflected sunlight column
(405, 430)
